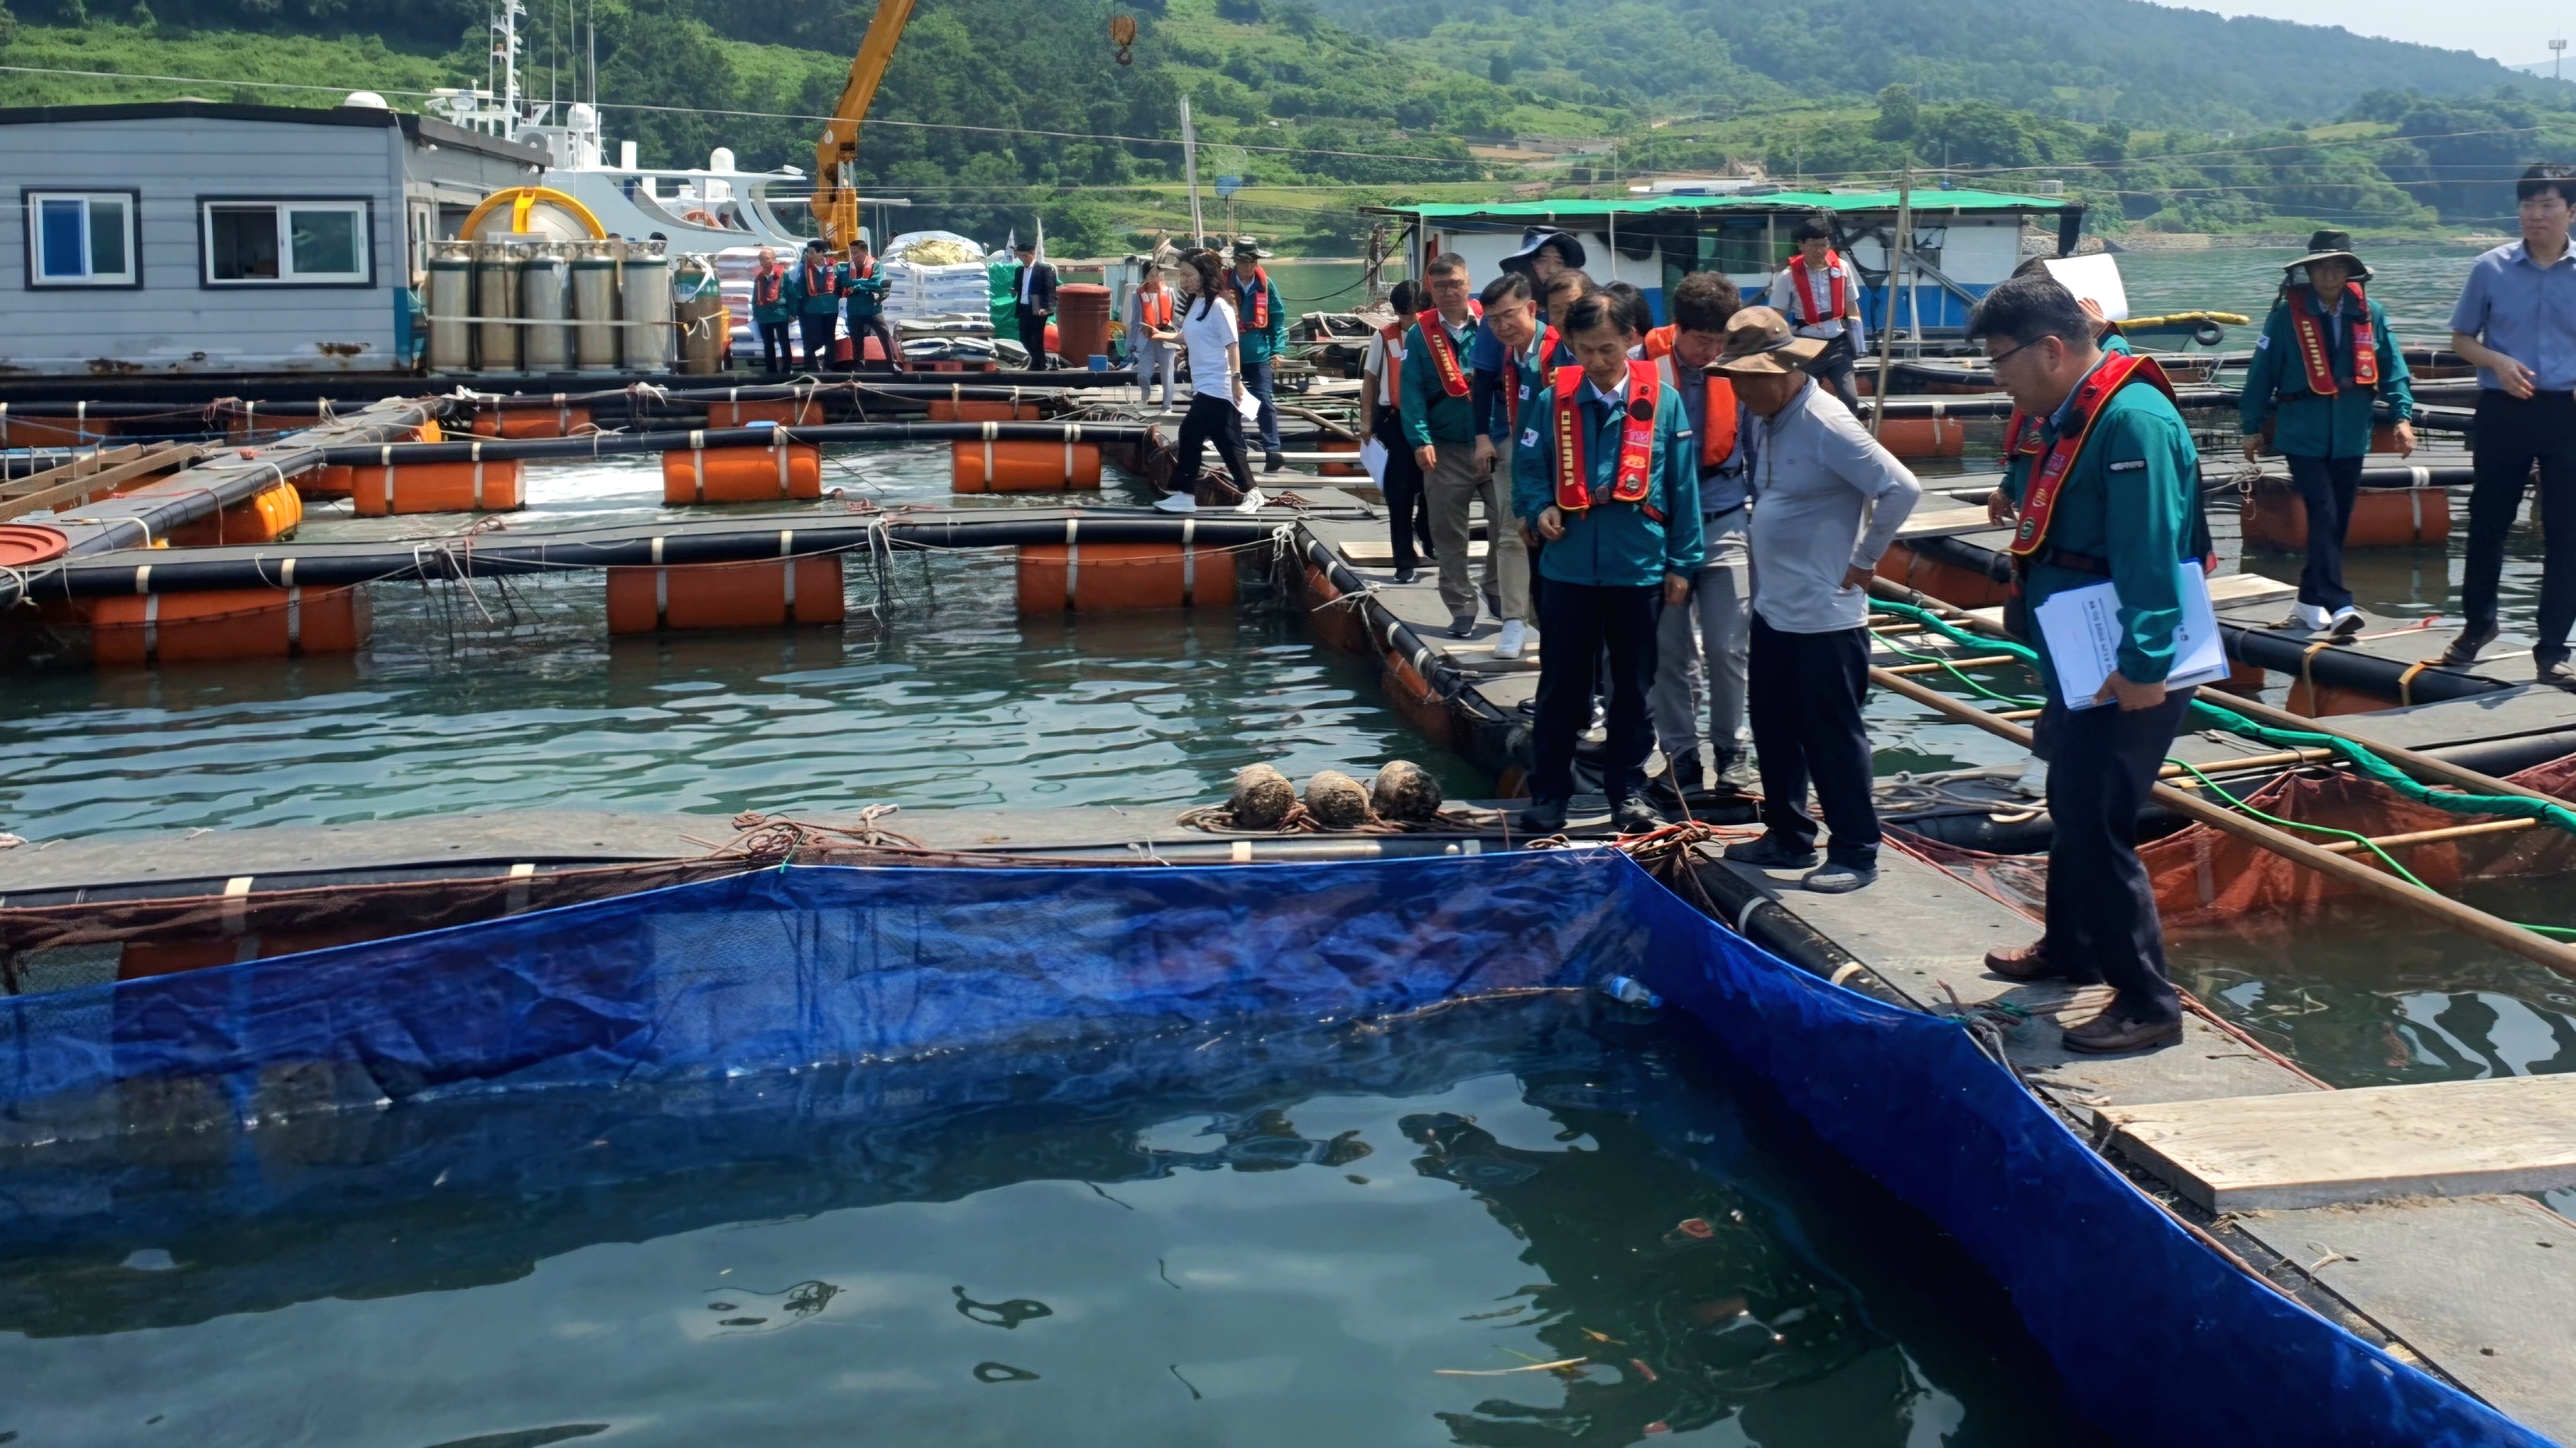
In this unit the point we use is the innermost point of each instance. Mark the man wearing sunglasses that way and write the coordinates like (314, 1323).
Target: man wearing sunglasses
(2112, 493)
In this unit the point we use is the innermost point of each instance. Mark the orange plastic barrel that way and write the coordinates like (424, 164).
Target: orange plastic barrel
(797, 412)
(227, 623)
(966, 410)
(270, 515)
(457, 487)
(1924, 437)
(556, 421)
(1103, 577)
(725, 595)
(742, 474)
(2276, 518)
(76, 430)
(1351, 469)
(1081, 322)
(337, 480)
(993, 466)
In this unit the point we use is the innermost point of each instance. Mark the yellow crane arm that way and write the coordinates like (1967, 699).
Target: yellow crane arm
(836, 199)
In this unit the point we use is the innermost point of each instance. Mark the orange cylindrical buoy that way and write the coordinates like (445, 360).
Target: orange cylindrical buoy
(742, 474)
(996, 466)
(557, 421)
(1351, 469)
(1101, 577)
(2276, 518)
(271, 514)
(1924, 437)
(228, 623)
(77, 430)
(761, 594)
(335, 480)
(783, 412)
(944, 409)
(1948, 582)
(459, 487)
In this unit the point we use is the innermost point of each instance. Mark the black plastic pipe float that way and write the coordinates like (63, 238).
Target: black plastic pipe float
(497, 449)
(351, 389)
(738, 539)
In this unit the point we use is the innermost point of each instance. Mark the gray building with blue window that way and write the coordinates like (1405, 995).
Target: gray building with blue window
(194, 236)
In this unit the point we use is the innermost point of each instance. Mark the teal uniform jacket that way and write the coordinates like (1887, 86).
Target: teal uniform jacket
(781, 310)
(2310, 426)
(1430, 413)
(1610, 544)
(1259, 347)
(2131, 501)
(1525, 383)
(2117, 343)
(821, 297)
(866, 295)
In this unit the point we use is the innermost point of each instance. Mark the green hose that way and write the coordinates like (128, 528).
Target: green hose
(2360, 756)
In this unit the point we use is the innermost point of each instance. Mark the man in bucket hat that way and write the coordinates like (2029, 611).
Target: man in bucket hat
(1827, 501)
(2325, 358)
(1264, 325)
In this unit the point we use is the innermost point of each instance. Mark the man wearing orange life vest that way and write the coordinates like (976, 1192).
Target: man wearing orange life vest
(1602, 471)
(1440, 424)
(1701, 645)
(1819, 292)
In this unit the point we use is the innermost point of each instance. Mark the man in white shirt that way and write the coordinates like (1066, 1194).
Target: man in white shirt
(1408, 514)
(1819, 292)
(1701, 646)
(1827, 500)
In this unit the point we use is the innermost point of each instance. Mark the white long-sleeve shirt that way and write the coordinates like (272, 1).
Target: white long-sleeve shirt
(1827, 498)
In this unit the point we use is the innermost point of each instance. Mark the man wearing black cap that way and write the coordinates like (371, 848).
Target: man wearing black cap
(1545, 254)
(1033, 293)
(1264, 326)
(2325, 358)
(1819, 292)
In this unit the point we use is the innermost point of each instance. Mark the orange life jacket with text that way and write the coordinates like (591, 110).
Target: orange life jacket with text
(1634, 480)
(2048, 476)
(2317, 358)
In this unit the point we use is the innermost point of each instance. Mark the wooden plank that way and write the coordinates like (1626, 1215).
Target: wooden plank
(2230, 589)
(2478, 1287)
(1944, 523)
(81, 488)
(81, 465)
(2445, 1139)
(1379, 553)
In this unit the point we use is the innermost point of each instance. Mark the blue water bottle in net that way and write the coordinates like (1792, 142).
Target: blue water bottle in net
(1627, 990)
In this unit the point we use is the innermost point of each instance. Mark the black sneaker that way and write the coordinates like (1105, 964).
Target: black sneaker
(1405, 575)
(1529, 707)
(1735, 773)
(1771, 853)
(1273, 460)
(1463, 626)
(2464, 649)
(1636, 817)
(1544, 817)
(2554, 672)
(1684, 771)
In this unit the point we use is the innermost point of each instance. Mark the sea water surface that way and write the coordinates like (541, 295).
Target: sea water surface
(1513, 1222)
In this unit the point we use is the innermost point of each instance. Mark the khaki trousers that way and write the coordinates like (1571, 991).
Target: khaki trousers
(1452, 490)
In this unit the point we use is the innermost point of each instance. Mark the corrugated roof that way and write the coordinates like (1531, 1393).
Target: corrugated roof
(1928, 201)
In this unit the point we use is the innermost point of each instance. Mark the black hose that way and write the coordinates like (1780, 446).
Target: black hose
(494, 449)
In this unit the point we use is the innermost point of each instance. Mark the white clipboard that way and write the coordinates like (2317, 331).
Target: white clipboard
(2082, 630)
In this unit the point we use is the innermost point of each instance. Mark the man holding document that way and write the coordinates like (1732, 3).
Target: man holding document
(2105, 516)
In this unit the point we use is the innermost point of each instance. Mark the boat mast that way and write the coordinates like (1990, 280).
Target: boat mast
(1190, 166)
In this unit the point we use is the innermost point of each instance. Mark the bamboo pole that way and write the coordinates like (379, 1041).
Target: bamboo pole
(2471, 921)
(1887, 319)
(2422, 766)
(2433, 837)
(1982, 661)
(2276, 760)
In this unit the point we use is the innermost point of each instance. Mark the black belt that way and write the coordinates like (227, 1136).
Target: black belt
(2067, 559)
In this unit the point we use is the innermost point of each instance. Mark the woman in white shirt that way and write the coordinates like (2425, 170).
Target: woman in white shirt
(1152, 312)
(1207, 328)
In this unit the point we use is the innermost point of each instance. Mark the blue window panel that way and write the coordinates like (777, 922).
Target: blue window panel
(63, 226)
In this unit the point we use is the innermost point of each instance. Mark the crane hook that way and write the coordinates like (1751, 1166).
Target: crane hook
(1122, 34)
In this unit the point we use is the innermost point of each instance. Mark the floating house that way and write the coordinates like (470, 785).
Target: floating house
(1964, 242)
(195, 236)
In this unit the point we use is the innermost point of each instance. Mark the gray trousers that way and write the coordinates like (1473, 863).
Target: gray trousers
(1153, 358)
(1700, 648)
(1452, 491)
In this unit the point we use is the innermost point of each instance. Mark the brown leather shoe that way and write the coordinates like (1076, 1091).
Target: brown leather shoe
(2021, 962)
(2111, 1032)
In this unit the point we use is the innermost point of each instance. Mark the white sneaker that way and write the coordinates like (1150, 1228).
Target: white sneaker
(1253, 502)
(2346, 622)
(2306, 617)
(1178, 503)
(1515, 636)
(2033, 783)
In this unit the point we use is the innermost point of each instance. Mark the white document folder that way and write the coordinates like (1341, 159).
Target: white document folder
(2082, 630)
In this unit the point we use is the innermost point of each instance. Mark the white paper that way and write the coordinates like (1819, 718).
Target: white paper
(1249, 406)
(1373, 458)
(2095, 279)
(2082, 630)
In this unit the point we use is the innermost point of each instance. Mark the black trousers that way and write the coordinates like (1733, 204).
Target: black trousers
(1210, 420)
(818, 328)
(2102, 922)
(861, 329)
(1033, 337)
(2513, 435)
(1834, 369)
(1803, 692)
(1579, 621)
(2327, 486)
(777, 346)
(1408, 513)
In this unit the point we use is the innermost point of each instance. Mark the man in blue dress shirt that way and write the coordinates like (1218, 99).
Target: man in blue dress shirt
(2517, 322)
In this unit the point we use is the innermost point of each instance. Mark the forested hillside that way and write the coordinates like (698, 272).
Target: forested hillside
(2097, 60)
(1000, 113)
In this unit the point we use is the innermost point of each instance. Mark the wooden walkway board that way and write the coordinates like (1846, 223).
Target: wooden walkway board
(2446, 1139)
(2479, 1287)
(1939, 522)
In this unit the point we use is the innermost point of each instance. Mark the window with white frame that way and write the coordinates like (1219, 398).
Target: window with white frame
(81, 239)
(287, 243)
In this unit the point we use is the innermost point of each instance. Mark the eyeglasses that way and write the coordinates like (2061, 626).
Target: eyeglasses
(1996, 362)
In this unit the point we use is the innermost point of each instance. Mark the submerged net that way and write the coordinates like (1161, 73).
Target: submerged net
(884, 989)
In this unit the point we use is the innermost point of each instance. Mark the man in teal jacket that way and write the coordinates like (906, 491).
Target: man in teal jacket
(1263, 322)
(2326, 356)
(1608, 480)
(2126, 510)
(1440, 424)
(866, 291)
(814, 289)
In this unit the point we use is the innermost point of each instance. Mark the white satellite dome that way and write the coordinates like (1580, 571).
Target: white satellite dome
(366, 101)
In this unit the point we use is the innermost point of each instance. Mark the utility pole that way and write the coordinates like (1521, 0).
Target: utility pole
(2557, 53)
(1887, 319)
(1190, 166)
